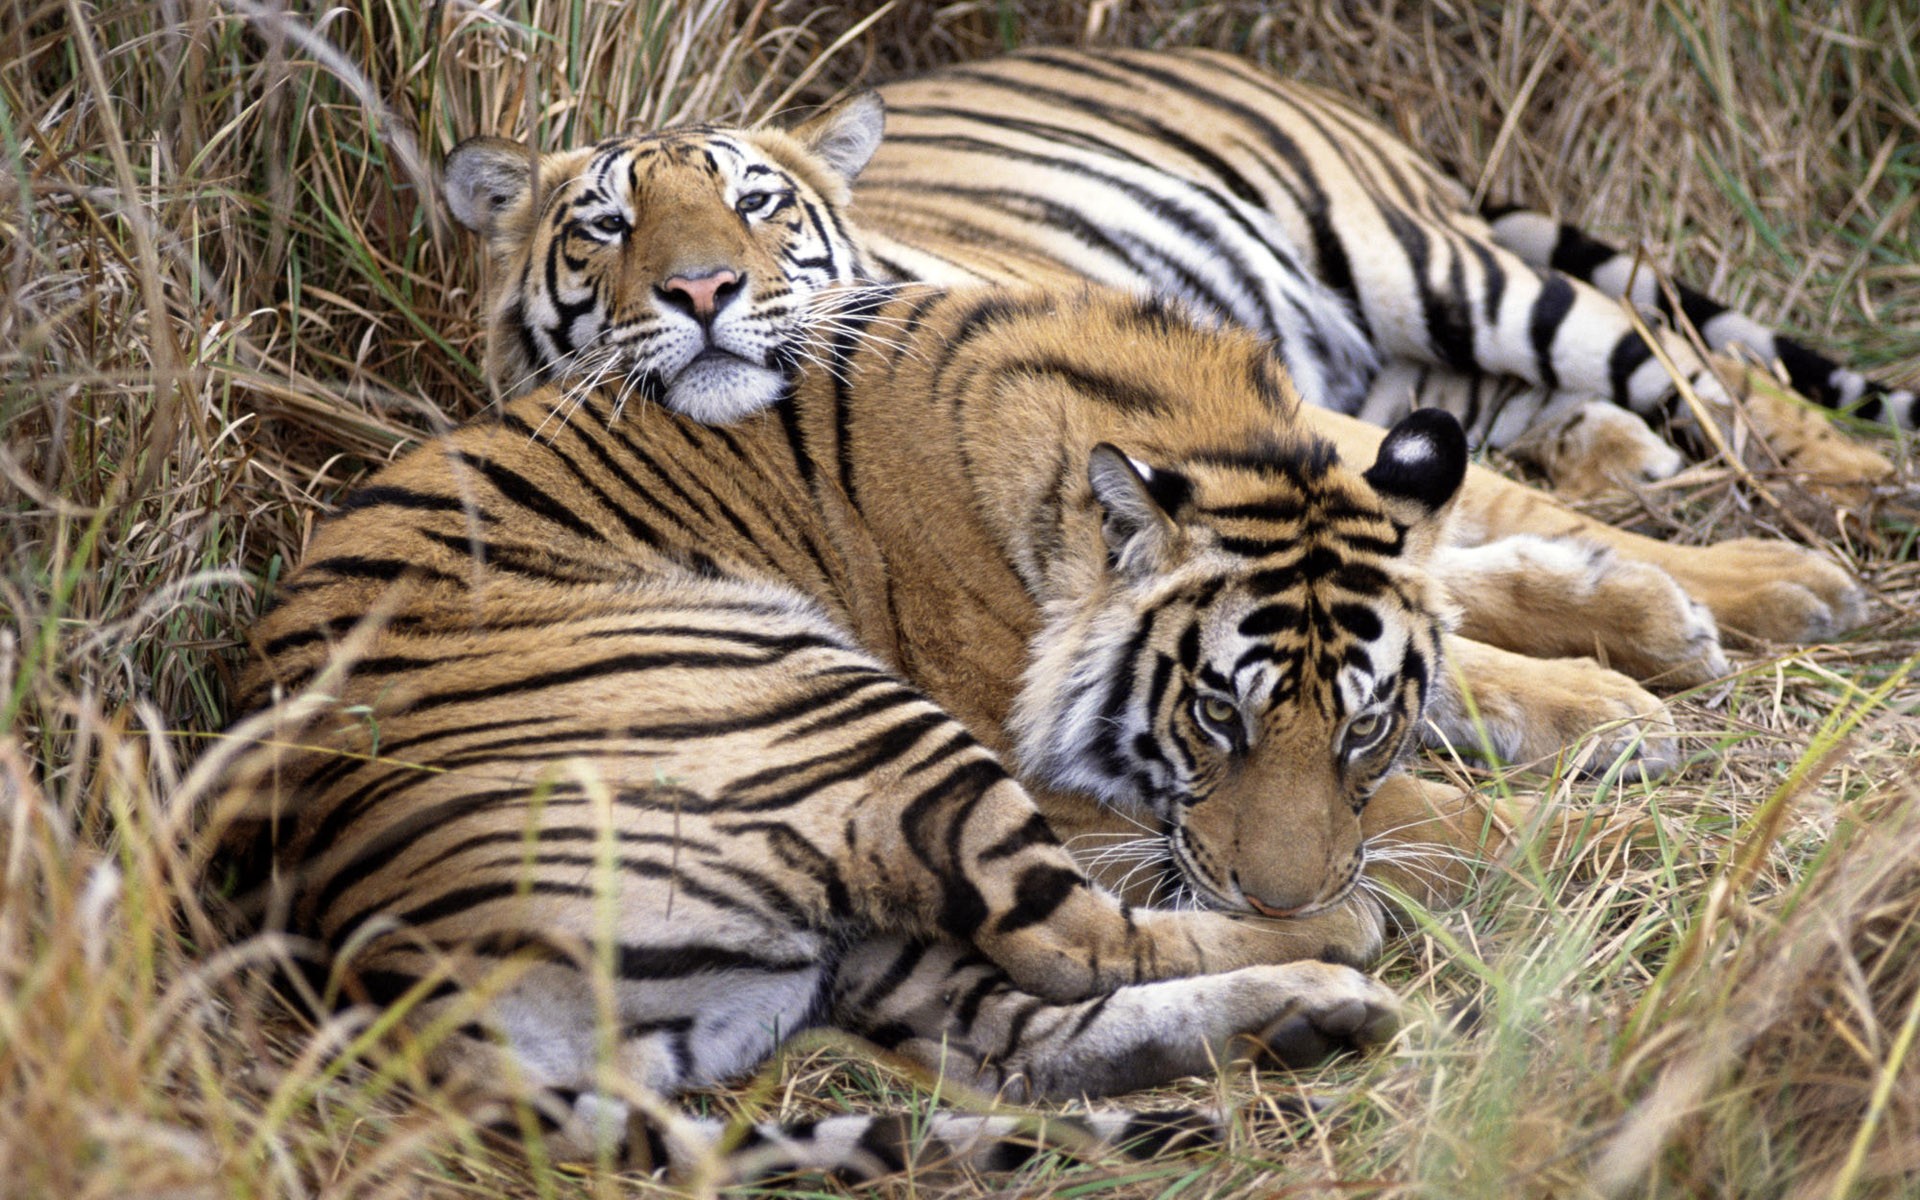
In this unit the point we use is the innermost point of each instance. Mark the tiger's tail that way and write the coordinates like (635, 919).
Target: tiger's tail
(1546, 243)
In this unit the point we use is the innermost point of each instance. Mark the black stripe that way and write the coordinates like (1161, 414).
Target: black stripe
(934, 825)
(1111, 390)
(386, 495)
(831, 720)
(1550, 310)
(802, 857)
(1628, 353)
(1577, 254)
(622, 664)
(850, 325)
(354, 566)
(1038, 894)
(636, 527)
(898, 971)
(1033, 832)
(521, 491)
(793, 783)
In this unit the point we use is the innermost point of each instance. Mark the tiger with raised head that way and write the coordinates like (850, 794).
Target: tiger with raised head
(788, 721)
(1198, 176)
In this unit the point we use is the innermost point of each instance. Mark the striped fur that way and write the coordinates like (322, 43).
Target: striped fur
(1195, 175)
(645, 743)
(721, 717)
(1547, 244)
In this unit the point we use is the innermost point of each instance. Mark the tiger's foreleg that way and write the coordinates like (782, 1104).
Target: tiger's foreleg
(951, 1010)
(1517, 709)
(962, 852)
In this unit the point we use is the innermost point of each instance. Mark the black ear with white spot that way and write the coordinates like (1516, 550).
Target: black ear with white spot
(1137, 503)
(484, 177)
(846, 135)
(1421, 465)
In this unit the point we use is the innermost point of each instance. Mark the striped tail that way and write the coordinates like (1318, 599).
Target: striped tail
(1544, 242)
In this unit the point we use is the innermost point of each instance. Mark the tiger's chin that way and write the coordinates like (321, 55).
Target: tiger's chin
(718, 387)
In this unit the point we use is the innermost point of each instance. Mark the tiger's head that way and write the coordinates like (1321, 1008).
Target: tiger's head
(1254, 660)
(680, 264)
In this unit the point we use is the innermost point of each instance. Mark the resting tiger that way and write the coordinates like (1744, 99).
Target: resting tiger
(724, 713)
(726, 710)
(1197, 176)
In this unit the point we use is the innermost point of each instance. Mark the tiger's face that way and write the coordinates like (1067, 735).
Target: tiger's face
(681, 265)
(1257, 662)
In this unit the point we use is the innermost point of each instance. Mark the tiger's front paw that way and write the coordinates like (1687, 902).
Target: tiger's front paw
(1568, 597)
(1772, 590)
(1318, 1010)
(1529, 710)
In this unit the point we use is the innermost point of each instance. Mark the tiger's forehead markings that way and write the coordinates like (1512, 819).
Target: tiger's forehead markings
(646, 155)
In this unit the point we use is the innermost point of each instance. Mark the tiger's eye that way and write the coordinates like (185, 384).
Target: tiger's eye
(1219, 711)
(1364, 727)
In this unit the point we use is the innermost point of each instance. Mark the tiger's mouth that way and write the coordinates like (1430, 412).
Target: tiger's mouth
(717, 385)
(1232, 898)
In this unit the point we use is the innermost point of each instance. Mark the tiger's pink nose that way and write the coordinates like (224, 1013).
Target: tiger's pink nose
(701, 295)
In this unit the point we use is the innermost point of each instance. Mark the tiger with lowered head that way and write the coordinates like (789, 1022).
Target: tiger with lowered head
(784, 722)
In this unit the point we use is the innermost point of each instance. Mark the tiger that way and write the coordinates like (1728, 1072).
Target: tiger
(704, 705)
(738, 728)
(1264, 201)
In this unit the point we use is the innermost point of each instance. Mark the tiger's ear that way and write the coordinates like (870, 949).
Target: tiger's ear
(484, 178)
(1420, 468)
(846, 135)
(1137, 503)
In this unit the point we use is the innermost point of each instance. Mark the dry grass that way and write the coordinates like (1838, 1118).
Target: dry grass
(226, 296)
